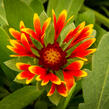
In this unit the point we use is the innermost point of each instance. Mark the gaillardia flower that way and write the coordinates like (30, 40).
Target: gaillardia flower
(60, 62)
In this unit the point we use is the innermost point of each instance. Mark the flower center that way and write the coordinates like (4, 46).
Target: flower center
(52, 57)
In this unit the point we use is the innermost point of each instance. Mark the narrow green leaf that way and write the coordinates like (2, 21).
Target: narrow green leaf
(20, 98)
(16, 11)
(12, 62)
(95, 86)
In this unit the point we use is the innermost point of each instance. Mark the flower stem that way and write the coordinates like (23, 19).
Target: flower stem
(99, 17)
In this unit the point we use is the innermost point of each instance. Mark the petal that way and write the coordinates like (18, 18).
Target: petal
(30, 32)
(62, 90)
(45, 81)
(54, 79)
(51, 91)
(36, 22)
(25, 75)
(45, 25)
(74, 33)
(15, 33)
(74, 66)
(81, 51)
(37, 70)
(69, 79)
(29, 80)
(83, 34)
(16, 44)
(78, 73)
(54, 19)
(38, 78)
(25, 42)
(22, 66)
(60, 23)
(22, 25)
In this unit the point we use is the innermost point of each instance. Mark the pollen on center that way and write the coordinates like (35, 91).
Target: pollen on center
(52, 56)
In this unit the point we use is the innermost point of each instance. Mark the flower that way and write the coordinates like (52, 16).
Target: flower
(53, 58)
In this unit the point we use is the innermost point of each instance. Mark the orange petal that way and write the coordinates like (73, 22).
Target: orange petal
(74, 33)
(24, 75)
(69, 79)
(60, 23)
(45, 25)
(22, 25)
(78, 73)
(36, 22)
(25, 42)
(52, 90)
(15, 33)
(81, 51)
(37, 70)
(75, 65)
(30, 32)
(62, 90)
(22, 66)
(54, 79)
(54, 18)
(44, 82)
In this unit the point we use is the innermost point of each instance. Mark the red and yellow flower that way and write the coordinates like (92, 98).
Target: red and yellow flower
(52, 58)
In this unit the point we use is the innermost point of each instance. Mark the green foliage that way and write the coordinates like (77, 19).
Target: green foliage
(87, 16)
(17, 11)
(41, 105)
(72, 6)
(12, 62)
(37, 6)
(20, 98)
(95, 86)
(55, 98)
(4, 41)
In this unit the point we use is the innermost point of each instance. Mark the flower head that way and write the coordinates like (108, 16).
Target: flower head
(53, 58)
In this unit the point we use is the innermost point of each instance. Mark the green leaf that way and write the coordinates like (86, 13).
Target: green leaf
(27, 1)
(37, 6)
(16, 11)
(41, 105)
(4, 41)
(87, 16)
(99, 33)
(10, 74)
(12, 62)
(65, 31)
(55, 98)
(51, 5)
(95, 86)
(49, 38)
(20, 98)
(72, 6)
(3, 20)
